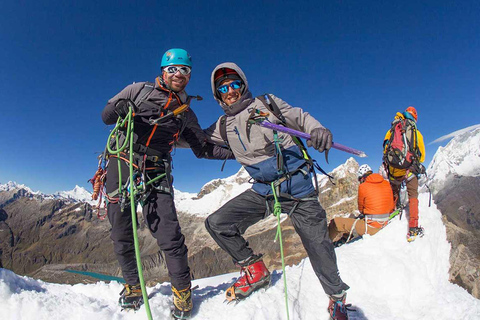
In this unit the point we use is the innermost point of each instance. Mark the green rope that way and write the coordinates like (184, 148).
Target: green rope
(277, 210)
(129, 139)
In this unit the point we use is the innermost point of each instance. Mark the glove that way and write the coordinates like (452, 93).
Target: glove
(321, 139)
(122, 107)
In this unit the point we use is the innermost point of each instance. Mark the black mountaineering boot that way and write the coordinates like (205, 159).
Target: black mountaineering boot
(131, 297)
(182, 303)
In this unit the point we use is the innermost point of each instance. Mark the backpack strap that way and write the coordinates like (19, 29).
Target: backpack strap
(142, 94)
(271, 105)
(223, 135)
(223, 129)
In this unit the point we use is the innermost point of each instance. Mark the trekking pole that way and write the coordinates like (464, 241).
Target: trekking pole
(304, 135)
(277, 210)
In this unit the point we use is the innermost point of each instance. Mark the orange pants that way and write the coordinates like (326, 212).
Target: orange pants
(342, 226)
(412, 191)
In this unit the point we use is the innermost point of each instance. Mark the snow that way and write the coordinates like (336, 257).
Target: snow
(389, 279)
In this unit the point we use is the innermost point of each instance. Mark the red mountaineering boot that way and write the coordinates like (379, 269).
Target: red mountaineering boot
(255, 276)
(337, 307)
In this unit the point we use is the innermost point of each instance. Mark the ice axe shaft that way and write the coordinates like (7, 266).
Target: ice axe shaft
(304, 135)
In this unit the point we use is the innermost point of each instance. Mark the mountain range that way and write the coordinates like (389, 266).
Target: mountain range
(43, 235)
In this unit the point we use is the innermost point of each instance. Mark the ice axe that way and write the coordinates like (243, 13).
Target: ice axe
(304, 135)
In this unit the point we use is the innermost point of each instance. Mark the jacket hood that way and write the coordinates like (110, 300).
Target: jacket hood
(374, 178)
(244, 100)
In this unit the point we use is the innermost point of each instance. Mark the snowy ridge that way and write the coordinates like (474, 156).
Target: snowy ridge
(389, 279)
(349, 167)
(12, 185)
(461, 157)
(77, 194)
(223, 190)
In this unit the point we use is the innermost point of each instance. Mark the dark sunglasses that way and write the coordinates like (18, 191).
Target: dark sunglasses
(173, 69)
(237, 84)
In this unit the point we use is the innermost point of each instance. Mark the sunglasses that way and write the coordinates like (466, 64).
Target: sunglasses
(237, 84)
(173, 69)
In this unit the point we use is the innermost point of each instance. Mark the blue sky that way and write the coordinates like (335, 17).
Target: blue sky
(351, 64)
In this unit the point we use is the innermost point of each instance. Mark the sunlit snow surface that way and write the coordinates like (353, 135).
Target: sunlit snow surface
(389, 279)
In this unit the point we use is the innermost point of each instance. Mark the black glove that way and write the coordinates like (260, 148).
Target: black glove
(122, 107)
(321, 139)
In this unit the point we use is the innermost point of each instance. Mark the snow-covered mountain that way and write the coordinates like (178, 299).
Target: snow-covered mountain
(213, 195)
(13, 186)
(217, 192)
(389, 278)
(454, 179)
(77, 194)
(460, 157)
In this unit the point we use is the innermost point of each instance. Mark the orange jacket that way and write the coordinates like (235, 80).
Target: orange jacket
(375, 196)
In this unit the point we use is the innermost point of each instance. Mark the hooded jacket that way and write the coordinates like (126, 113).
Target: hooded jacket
(253, 145)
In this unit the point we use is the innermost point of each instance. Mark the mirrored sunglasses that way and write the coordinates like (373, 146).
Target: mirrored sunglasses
(237, 84)
(173, 69)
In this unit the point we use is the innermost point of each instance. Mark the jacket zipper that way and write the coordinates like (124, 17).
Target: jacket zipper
(235, 129)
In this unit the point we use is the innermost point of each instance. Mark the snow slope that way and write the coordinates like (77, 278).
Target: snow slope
(389, 279)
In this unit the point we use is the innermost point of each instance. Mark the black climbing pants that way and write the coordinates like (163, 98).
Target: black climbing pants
(229, 223)
(162, 221)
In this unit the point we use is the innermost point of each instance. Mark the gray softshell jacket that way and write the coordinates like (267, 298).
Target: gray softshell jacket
(254, 148)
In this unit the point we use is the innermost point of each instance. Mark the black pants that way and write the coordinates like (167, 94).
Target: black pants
(161, 218)
(229, 223)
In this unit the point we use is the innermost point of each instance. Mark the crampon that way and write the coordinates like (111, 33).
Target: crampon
(414, 233)
(131, 298)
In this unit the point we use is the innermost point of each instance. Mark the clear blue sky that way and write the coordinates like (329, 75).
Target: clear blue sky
(351, 64)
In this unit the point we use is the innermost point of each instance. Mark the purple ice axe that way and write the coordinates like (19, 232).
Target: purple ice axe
(304, 135)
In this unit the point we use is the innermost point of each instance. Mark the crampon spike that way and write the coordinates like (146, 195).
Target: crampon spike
(230, 295)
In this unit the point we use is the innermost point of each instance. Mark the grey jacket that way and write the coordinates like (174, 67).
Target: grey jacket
(254, 148)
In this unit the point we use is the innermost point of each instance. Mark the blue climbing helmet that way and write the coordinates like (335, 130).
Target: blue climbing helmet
(176, 57)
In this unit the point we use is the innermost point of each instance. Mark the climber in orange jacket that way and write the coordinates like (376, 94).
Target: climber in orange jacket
(375, 203)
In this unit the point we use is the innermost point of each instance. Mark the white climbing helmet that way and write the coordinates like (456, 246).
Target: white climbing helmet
(364, 169)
